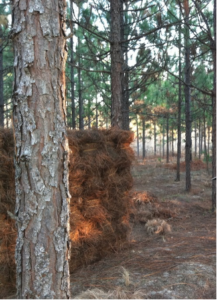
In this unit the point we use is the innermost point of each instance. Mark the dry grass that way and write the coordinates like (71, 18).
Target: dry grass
(118, 293)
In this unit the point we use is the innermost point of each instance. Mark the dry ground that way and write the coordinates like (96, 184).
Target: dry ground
(180, 264)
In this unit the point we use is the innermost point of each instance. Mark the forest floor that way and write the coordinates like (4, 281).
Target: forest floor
(178, 265)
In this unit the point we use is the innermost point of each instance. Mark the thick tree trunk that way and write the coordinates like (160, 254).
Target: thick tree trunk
(1, 83)
(116, 64)
(72, 75)
(187, 100)
(214, 113)
(41, 150)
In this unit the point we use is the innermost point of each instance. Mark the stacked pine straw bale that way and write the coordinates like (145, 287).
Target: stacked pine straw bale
(100, 182)
(7, 204)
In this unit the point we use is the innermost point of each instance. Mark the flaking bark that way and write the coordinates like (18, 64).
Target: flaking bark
(41, 149)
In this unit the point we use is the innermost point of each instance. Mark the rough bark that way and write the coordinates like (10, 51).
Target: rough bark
(187, 101)
(1, 83)
(116, 64)
(214, 113)
(41, 150)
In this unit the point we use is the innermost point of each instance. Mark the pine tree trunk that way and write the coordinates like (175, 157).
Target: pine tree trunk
(179, 107)
(208, 137)
(116, 63)
(155, 140)
(199, 135)
(80, 99)
(125, 76)
(214, 113)
(195, 138)
(1, 82)
(167, 139)
(73, 124)
(172, 142)
(41, 150)
(137, 133)
(187, 100)
(97, 114)
(163, 142)
(143, 138)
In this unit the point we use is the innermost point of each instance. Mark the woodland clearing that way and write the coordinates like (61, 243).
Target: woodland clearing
(170, 265)
(178, 264)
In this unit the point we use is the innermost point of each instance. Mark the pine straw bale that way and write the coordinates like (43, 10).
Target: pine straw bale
(157, 226)
(118, 293)
(100, 181)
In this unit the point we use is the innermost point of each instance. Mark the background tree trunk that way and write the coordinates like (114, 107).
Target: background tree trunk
(41, 150)
(214, 113)
(187, 99)
(1, 82)
(167, 139)
(72, 74)
(116, 63)
(155, 139)
(80, 99)
(143, 138)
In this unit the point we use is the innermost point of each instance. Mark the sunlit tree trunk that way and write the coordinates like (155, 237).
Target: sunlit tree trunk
(41, 150)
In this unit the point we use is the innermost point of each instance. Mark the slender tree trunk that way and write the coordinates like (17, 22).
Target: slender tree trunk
(80, 99)
(199, 135)
(143, 138)
(1, 82)
(125, 75)
(72, 74)
(137, 133)
(97, 114)
(163, 141)
(187, 100)
(208, 137)
(41, 150)
(179, 106)
(167, 139)
(195, 138)
(214, 113)
(172, 142)
(155, 140)
(116, 63)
